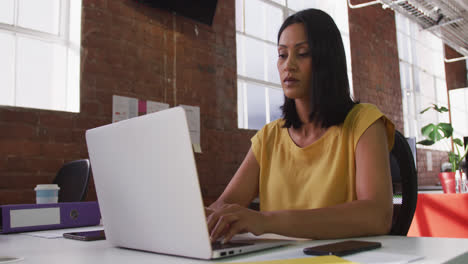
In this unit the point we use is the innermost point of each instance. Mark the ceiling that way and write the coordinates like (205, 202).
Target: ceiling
(447, 19)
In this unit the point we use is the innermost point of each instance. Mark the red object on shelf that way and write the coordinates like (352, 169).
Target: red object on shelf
(447, 180)
(440, 215)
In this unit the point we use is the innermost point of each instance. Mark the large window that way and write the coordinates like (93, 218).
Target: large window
(257, 23)
(40, 51)
(422, 75)
(459, 112)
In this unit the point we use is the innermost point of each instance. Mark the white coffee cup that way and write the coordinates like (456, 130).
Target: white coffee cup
(47, 193)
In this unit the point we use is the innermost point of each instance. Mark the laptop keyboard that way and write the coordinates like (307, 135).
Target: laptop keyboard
(217, 245)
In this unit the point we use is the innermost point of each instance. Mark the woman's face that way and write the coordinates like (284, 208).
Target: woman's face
(294, 62)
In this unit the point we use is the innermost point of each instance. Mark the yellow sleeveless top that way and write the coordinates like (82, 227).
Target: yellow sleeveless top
(319, 175)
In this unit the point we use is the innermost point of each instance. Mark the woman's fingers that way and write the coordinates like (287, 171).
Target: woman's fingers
(223, 226)
(234, 229)
(233, 219)
(216, 214)
(208, 211)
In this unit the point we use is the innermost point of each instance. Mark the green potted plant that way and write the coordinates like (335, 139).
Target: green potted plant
(436, 132)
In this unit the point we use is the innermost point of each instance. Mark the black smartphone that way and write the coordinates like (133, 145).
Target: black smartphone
(342, 248)
(86, 235)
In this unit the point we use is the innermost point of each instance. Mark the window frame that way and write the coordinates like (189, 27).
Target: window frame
(413, 95)
(62, 38)
(243, 79)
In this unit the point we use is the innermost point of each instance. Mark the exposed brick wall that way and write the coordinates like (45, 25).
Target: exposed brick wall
(136, 51)
(429, 176)
(375, 64)
(152, 54)
(376, 75)
(455, 72)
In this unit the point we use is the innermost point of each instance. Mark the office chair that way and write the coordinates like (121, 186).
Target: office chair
(405, 184)
(73, 180)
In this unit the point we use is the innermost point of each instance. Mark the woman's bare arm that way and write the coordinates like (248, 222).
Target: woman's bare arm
(370, 214)
(243, 187)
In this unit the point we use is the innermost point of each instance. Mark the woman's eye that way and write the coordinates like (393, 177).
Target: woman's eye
(304, 54)
(282, 56)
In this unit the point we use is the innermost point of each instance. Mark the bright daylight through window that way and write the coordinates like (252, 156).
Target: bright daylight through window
(422, 75)
(259, 92)
(40, 51)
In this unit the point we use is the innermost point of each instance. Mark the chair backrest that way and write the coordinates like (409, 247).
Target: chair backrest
(73, 180)
(405, 185)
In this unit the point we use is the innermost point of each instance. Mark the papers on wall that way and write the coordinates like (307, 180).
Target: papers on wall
(193, 119)
(152, 107)
(126, 107)
(123, 108)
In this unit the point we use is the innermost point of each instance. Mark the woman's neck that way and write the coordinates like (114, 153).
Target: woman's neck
(303, 110)
(309, 129)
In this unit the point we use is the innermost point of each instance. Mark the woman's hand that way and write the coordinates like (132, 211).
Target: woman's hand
(208, 212)
(232, 219)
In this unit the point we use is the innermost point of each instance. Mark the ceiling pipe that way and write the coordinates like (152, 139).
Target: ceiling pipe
(363, 4)
(442, 25)
(455, 59)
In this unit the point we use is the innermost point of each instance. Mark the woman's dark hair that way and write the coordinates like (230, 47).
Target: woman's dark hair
(329, 92)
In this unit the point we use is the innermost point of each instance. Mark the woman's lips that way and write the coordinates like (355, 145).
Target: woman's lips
(290, 81)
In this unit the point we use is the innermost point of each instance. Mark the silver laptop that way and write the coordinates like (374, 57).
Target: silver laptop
(148, 190)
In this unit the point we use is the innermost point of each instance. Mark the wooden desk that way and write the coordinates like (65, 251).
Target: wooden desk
(60, 250)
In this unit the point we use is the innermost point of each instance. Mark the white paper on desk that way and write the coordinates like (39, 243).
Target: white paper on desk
(58, 233)
(376, 257)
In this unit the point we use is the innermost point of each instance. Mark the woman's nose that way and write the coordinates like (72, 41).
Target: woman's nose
(291, 64)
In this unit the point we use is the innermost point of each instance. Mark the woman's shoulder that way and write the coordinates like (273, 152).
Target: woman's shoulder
(274, 125)
(272, 128)
(362, 110)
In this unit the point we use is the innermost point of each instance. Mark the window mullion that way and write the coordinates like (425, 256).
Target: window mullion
(243, 16)
(15, 13)
(267, 105)
(15, 78)
(64, 21)
(246, 109)
(64, 33)
(43, 36)
(54, 43)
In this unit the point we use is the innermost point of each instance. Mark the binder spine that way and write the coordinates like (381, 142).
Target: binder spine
(35, 217)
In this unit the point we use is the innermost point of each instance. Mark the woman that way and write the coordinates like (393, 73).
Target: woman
(322, 171)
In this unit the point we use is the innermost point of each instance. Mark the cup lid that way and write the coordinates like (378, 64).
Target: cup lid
(47, 187)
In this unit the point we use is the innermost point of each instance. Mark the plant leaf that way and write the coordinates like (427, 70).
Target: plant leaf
(426, 142)
(425, 110)
(458, 142)
(454, 159)
(441, 109)
(446, 128)
(452, 156)
(426, 130)
(435, 135)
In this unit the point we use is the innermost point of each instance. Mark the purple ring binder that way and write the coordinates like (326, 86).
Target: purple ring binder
(33, 217)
